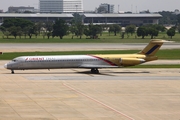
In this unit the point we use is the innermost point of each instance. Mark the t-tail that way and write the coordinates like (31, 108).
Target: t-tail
(152, 48)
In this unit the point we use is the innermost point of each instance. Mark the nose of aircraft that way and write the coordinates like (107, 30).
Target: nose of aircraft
(5, 66)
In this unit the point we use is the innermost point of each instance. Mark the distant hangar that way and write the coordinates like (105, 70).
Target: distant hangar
(121, 19)
(36, 17)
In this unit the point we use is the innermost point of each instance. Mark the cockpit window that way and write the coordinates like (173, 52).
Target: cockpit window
(14, 60)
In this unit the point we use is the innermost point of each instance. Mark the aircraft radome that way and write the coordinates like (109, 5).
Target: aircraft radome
(93, 62)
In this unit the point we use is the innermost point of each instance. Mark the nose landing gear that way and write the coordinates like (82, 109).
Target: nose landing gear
(12, 71)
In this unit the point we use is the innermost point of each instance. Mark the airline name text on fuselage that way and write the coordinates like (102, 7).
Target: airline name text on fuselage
(38, 59)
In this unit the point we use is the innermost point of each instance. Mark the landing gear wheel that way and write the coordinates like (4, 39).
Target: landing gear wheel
(12, 71)
(94, 71)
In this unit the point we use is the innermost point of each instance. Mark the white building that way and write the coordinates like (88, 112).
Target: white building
(61, 6)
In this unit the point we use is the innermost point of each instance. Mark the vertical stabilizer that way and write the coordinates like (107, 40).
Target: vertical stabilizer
(153, 46)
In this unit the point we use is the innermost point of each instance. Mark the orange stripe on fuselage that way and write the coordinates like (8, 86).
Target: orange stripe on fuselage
(105, 60)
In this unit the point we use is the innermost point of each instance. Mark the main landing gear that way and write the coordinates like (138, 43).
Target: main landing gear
(94, 71)
(12, 71)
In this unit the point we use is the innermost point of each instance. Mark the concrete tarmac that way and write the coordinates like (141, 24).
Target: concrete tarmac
(75, 94)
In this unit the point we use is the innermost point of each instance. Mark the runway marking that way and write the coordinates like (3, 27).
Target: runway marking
(97, 101)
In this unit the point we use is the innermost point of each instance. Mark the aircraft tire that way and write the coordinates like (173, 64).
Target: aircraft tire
(94, 71)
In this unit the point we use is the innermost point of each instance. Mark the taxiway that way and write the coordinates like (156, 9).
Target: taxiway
(75, 94)
(32, 47)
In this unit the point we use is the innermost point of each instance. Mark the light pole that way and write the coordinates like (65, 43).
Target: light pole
(76, 7)
(76, 11)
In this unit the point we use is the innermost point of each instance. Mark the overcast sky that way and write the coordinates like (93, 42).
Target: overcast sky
(125, 5)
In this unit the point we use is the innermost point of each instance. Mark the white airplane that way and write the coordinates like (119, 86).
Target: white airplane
(93, 62)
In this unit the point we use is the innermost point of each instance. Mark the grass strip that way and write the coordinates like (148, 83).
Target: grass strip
(156, 66)
(173, 54)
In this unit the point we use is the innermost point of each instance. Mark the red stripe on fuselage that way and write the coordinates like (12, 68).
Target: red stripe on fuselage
(107, 61)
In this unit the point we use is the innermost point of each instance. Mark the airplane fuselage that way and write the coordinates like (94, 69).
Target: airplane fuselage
(74, 61)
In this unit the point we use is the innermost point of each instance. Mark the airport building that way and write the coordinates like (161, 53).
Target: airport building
(121, 19)
(21, 9)
(108, 8)
(60, 6)
(37, 17)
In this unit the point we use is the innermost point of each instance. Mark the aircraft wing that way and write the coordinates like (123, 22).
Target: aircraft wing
(96, 66)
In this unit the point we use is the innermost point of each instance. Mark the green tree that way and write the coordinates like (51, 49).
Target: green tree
(104, 27)
(25, 31)
(30, 32)
(17, 22)
(142, 31)
(159, 27)
(48, 26)
(49, 34)
(14, 31)
(77, 18)
(86, 31)
(130, 29)
(35, 30)
(92, 30)
(79, 29)
(168, 18)
(178, 19)
(73, 30)
(171, 32)
(60, 28)
(20, 33)
(152, 32)
(178, 28)
(39, 26)
(48, 29)
(7, 34)
(111, 29)
(3, 29)
(117, 29)
(77, 26)
(44, 34)
(122, 35)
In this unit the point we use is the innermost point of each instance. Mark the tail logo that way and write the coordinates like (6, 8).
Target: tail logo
(153, 49)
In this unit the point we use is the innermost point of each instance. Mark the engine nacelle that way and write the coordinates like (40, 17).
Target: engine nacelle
(131, 61)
